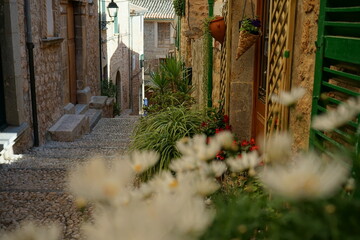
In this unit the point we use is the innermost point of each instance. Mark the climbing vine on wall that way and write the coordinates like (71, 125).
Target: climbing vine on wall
(179, 6)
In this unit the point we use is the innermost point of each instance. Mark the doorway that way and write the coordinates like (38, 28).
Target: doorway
(2, 98)
(118, 89)
(71, 52)
(261, 64)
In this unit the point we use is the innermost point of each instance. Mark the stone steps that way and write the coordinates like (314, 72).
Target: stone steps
(94, 116)
(69, 127)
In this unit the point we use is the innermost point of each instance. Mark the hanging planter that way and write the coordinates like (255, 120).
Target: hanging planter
(217, 29)
(249, 33)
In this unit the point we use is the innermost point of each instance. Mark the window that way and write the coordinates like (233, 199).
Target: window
(49, 18)
(163, 34)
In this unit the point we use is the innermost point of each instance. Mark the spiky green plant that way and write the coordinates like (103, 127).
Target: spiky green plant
(160, 132)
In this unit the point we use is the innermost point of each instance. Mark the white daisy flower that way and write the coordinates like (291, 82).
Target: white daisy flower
(289, 98)
(247, 161)
(277, 147)
(198, 148)
(308, 178)
(333, 119)
(141, 161)
(31, 231)
(225, 139)
(97, 182)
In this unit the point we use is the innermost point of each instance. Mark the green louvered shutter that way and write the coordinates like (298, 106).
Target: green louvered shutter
(337, 70)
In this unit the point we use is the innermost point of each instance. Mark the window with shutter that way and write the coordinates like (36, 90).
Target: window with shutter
(163, 34)
(337, 71)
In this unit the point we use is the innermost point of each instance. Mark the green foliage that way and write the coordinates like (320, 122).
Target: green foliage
(164, 101)
(179, 6)
(251, 25)
(160, 132)
(239, 216)
(108, 88)
(171, 87)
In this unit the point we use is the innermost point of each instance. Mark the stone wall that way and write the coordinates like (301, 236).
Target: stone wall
(50, 61)
(119, 62)
(192, 27)
(241, 78)
(152, 52)
(199, 79)
(303, 69)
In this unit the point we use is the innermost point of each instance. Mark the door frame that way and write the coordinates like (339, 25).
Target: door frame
(259, 67)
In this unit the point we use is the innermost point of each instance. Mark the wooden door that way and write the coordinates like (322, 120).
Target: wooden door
(2, 99)
(261, 62)
(281, 34)
(71, 52)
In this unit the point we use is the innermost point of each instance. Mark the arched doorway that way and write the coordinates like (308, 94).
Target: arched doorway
(118, 89)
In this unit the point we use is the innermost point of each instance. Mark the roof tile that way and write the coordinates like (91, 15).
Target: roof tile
(157, 9)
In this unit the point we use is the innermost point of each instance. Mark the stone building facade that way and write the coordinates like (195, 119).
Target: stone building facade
(123, 46)
(246, 104)
(159, 32)
(65, 42)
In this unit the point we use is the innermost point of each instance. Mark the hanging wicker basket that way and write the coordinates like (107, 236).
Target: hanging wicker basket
(246, 40)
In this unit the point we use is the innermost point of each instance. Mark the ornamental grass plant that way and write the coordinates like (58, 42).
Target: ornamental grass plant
(160, 132)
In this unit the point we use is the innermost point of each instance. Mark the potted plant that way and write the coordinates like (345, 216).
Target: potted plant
(249, 33)
(217, 28)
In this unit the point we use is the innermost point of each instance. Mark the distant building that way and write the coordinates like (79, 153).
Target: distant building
(159, 32)
(122, 44)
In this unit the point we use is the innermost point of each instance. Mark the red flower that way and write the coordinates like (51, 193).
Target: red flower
(244, 143)
(254, 148)
(218, 130)
(252, 141)
(228, 127)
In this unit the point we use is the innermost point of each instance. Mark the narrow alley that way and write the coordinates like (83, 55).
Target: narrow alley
(33, 186)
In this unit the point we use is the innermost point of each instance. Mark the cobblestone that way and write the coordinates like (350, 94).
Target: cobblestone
(33, 186)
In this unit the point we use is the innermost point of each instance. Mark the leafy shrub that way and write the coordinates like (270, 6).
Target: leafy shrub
(108, 88)
(171, 86)
(160, 132)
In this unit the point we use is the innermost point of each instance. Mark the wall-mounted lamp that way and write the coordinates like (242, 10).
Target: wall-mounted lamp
(112, 10)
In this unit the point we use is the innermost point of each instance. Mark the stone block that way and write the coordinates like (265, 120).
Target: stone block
(94, 116)
(70, 127)
(81, 108)
(84, 96)
(98, 102)
(69, 109)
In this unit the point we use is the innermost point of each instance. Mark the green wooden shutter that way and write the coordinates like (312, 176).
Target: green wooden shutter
(337, 70)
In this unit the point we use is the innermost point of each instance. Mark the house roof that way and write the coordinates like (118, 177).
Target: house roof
(157, 9)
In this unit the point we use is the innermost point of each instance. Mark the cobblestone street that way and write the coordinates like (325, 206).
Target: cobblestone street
(33, 186)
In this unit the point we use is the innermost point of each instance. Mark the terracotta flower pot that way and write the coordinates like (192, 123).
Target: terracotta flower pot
(217, 29)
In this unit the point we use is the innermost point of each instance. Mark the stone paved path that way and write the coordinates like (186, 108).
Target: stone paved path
(33, 186)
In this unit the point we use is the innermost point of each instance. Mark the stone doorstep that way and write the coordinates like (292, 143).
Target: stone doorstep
(69, 127)
(81, 108)
(98, 102)
(94, 116)
(8, 138)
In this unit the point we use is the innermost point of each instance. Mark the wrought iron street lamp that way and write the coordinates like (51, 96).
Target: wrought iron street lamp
(112, 10)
